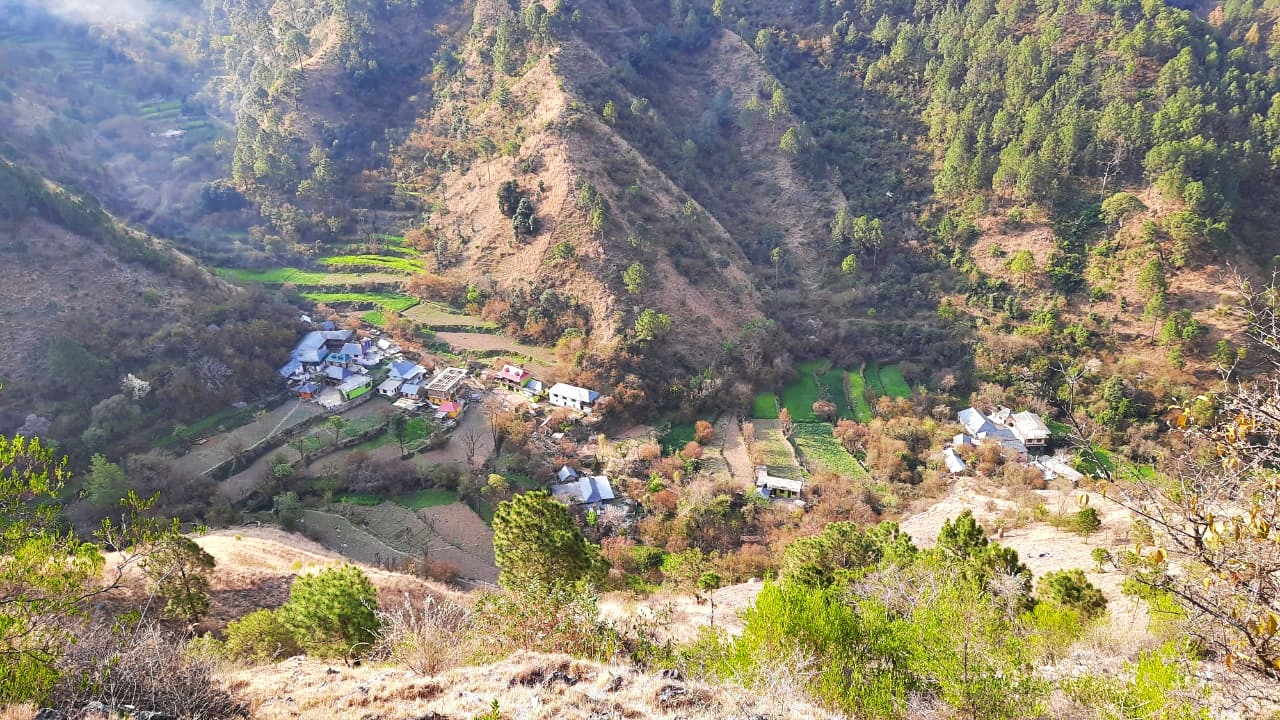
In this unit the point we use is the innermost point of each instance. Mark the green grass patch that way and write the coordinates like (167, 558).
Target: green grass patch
(274, 276)
(765, 406)
(775, 449)
(381, 263)
(801, 393)
(833, 382)
(377, 318)
(871, 375)
(432, 497)
(364, 499)
(395, 302)
(230, 418)
(1058, 429)
(893, 383)
(679, 435)
(818, 446)
(857, 395)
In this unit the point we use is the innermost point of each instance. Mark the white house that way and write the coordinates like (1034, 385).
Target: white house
(390, 387)
(772, 486)
(1030, 429)
(585, 490)
(572, 396)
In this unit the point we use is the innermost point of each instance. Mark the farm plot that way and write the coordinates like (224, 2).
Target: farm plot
(435, 316)
(893, 383)
(765, 406)
(487, 343)
(306, 278)
(799, 396)
(819, 447)
(856, 390)
(775, 451)
(395, 302)
(383, 263)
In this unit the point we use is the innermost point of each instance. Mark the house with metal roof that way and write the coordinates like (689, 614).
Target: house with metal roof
(513, 375)
(390, 387)
(407, 371)
(572, 396)
(585, 490)
(1030, 429)
(771, 486)
(953, 462)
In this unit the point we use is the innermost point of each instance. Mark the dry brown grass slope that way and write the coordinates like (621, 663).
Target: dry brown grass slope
(527, 686)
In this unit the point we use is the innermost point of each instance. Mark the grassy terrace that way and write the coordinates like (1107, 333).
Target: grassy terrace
(395, 302)
(434, 315)
(856, 391)
(819, 446)
(765, 406)
(379, 263)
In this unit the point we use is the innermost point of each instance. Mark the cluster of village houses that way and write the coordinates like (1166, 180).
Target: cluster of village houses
(331, 367)
(1020, 433)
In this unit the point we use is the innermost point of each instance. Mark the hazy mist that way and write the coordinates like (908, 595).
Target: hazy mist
(98, 11)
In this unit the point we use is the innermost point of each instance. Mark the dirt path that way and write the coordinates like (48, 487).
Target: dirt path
(735, 450)
(455, 451)
(242, 484)
(219, 447)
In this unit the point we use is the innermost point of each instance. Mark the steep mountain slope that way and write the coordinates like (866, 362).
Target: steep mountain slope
(89, 304)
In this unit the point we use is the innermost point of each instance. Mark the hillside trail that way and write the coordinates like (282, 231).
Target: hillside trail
(734, 450)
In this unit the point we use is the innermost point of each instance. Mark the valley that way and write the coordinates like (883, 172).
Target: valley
(636, 358)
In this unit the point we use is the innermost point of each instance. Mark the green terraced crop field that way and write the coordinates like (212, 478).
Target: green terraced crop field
(394, 302)
(382, 263)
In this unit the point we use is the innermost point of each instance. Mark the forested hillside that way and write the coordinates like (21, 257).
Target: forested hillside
(888, 181)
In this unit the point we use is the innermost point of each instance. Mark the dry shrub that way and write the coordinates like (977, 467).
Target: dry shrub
(692, 450)
(1023, 476)
(142, 667)
(427, 638)
(748, 561)
(704, 432)
(617, 550)
(18, 712)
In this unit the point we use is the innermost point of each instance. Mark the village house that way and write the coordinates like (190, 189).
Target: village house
(513, 376)
(309, 355)
(447, 385)
(355, 386)
(983, 429)
(584, 490)
(407, 371)
(390, 387)
(771, 486)
(411, 390)
(1030, 429)
(533, 389)
(573, 397)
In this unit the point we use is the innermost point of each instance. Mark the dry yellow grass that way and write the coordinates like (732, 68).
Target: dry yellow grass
(527, 686)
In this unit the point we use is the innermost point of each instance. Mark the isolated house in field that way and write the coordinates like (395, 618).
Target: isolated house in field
(447, 385)
(406, 371)
(1030, 429)
(573, 397)
(390, 387)
(771, 486)
(513, 376)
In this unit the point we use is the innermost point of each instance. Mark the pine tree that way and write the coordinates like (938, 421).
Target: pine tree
(535, 540)
(333, 613)
(178, 569)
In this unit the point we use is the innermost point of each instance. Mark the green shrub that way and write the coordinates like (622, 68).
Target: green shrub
(333, 613)
(1071, 589)
(261, 636)
(1086, 521)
